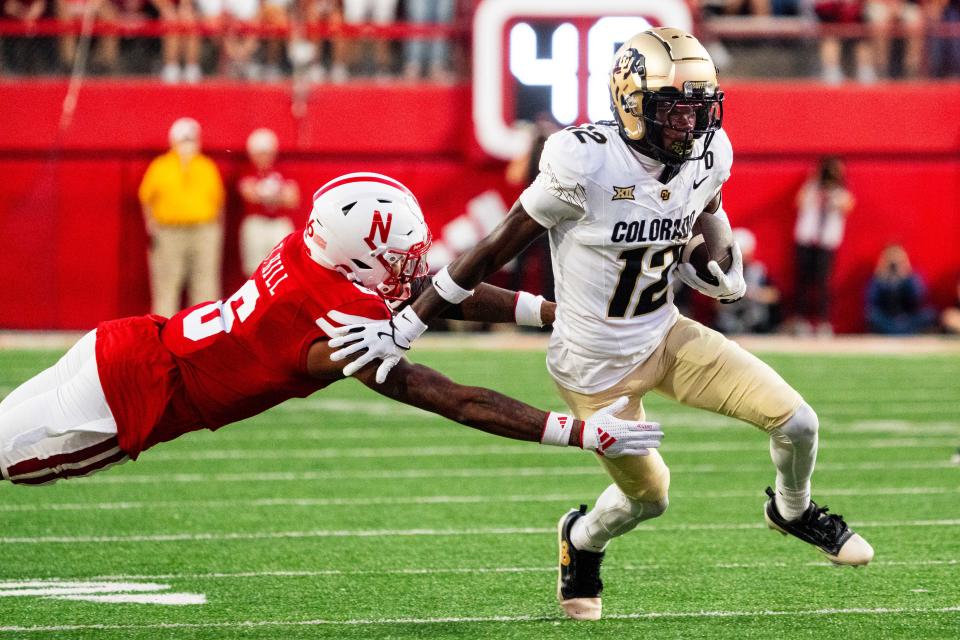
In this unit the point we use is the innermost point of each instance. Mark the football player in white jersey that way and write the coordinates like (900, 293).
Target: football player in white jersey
(619, 199)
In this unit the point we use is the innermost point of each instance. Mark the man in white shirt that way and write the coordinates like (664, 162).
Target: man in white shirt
(619, 200)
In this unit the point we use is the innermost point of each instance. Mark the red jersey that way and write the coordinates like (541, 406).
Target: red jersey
(268, 186)
(220, 362)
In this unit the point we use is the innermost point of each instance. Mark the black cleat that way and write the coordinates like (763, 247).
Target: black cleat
(578, 581)
(826, 531)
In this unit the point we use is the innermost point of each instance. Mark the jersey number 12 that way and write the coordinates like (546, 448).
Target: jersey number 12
(654, 295)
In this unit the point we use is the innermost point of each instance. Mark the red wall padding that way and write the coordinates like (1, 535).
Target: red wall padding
(72, 245)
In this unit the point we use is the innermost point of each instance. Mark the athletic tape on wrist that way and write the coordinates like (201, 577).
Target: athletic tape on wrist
(556, 429)
(526, 309)
(448, 289)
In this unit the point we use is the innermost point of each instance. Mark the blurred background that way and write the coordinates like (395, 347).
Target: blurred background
(844, 116)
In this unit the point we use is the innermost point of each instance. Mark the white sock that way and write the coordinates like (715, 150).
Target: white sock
(793, 448)
(613, 515)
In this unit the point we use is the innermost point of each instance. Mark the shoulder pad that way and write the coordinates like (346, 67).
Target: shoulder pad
(722, 155)
(573, 154)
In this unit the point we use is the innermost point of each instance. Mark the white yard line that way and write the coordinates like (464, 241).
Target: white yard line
(484, 472)
(247, 624)
(403, 533)
(512, 450)
(425, 571)
(437, 499)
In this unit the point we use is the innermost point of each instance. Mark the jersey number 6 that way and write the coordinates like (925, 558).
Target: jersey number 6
(218, 317)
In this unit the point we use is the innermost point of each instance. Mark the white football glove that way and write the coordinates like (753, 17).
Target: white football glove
(731, 285)
(385, 340)
(612, 437)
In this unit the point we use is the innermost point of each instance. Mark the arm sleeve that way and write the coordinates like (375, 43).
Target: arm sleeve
(559, 192)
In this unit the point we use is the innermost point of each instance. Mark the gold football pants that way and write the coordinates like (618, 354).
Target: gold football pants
(701, 368)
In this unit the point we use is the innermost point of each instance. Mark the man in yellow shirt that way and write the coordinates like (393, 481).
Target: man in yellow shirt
(182, 197)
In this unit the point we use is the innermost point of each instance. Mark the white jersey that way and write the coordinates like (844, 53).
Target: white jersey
(615, 236)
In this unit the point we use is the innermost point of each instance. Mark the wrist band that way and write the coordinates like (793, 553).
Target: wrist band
(448, 289)
(556, 429)
(526, 309)
(408, 324)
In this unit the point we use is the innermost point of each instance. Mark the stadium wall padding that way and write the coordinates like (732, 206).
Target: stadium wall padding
(72, 245)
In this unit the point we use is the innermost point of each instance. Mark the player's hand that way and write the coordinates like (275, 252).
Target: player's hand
(612, 437)
(730, 286)
(385, 340)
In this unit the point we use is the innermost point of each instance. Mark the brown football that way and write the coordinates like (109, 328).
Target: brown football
(711, 240)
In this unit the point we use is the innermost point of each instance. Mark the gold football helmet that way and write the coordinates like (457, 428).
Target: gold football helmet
(664, 94)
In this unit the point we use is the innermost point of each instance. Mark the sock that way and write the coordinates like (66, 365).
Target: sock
(793, 448)
(613, 515)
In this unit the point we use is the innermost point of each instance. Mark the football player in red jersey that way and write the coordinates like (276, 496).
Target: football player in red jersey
(136, 382)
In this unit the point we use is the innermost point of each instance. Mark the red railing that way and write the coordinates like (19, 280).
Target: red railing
(159, 28)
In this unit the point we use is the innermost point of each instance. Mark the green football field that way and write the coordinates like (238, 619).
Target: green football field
(348, 516)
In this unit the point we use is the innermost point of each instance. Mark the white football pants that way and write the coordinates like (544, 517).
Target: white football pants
(57, 424)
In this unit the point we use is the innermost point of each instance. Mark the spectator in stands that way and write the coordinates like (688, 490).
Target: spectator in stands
(434, 53)
(182, 197)
(521, 172)
(107, 53)
(306, 51)
(23, 53)
(823, 204)
(269, 201)
(275, 14)
(896, 296)
(843, 12)
(883, 16)
(950, 318)
(240, 46)
(229, 17)
(380, 13)
(176, 46)
(756, 312)
(750, 7)
(944, 51)
(28, 11)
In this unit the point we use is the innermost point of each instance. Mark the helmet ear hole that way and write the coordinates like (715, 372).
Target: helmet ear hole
(360, 263)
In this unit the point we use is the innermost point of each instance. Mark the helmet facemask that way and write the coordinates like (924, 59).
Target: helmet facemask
(674, 122)
(404, 267)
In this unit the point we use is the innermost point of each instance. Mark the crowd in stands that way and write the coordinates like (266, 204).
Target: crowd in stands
(241, 39)
(268, 39)
(888, 38)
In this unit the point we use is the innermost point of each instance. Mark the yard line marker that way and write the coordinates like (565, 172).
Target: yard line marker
(124, 477)
(481, 570)
(246, 624)
(105, 592)
(399, 533)
(427, 500)
(507, 450)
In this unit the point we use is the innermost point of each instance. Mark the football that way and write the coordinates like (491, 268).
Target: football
(712, 240)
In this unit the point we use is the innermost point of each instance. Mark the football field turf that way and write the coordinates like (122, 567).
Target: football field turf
(347, 516)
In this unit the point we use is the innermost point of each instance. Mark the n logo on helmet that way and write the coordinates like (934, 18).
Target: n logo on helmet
(379, 226)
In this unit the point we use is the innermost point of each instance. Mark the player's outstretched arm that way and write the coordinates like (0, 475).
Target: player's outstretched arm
(495, 413)
(493, 304)
(504, 243)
